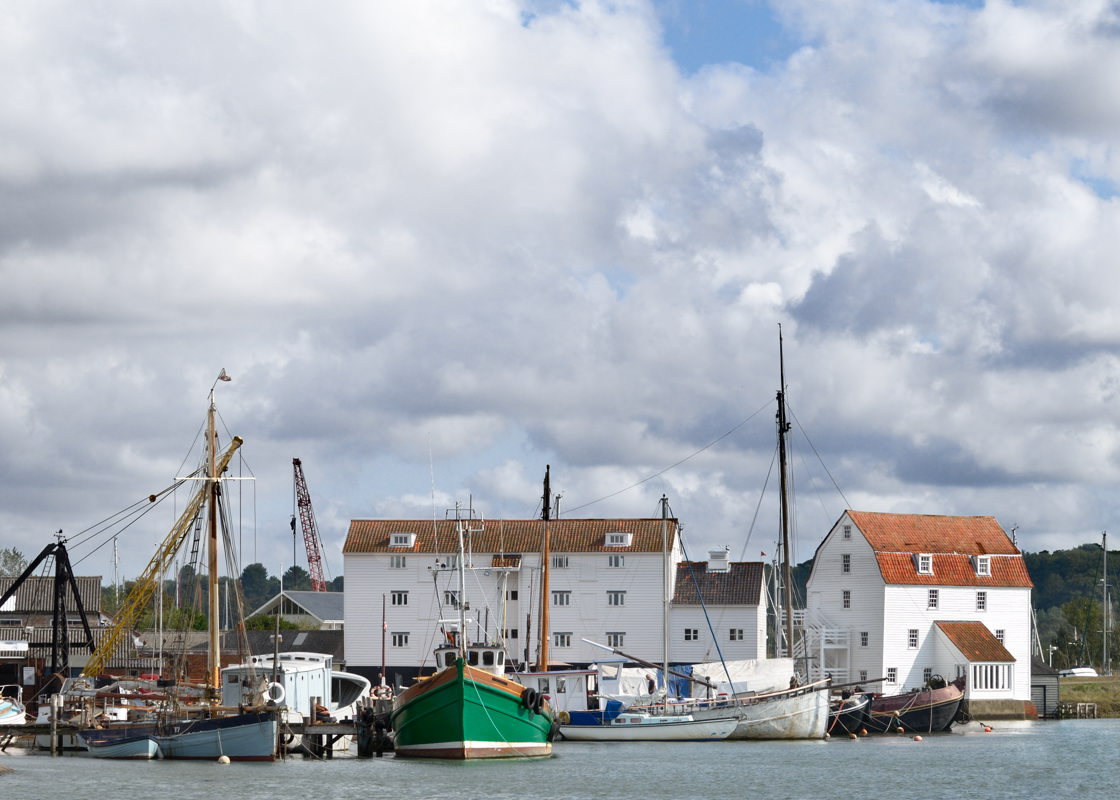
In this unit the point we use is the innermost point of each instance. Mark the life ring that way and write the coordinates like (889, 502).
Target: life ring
(81, 685)
(382, 692)
(530, 699)
(276, 692)
(564, 717)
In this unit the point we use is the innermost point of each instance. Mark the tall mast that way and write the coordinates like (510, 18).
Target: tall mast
(1104, 605)
(665, 596)
(214, 659)
(546, 556)
(783, 500)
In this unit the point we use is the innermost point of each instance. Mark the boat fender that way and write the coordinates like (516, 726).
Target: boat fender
(538, 704)
(382, 692)
(530, 698)
(276, 692)
(564, 718)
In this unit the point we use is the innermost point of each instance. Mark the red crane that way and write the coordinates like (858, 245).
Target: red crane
(310, 531)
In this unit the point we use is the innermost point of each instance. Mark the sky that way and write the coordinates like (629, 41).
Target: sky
(440, 245)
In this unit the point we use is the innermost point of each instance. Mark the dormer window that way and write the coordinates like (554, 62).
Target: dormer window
(984, 565)
(619, 539)
(402, 539)
(925, 563)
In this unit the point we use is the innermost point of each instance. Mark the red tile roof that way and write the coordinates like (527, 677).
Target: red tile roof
(508, 535)
(951, 541)
(740, 585)
(975, 641)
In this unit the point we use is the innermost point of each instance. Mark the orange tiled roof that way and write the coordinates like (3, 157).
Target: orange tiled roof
(951, 541)
(508, 535)
(740, 585)
(975, 641)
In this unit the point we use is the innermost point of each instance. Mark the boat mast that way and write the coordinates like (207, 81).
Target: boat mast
(665, 596)
(1104, 605)
(213, 625)
(462, 642)
(546, 556)
(783, 500)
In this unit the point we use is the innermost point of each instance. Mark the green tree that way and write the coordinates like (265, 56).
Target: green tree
(12, 562)
(297, 579)
(267, 622)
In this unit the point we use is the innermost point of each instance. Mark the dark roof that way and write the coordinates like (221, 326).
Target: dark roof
(741, 584)
(975, 641)
(36, 594)
(321, 605)
(508, 535)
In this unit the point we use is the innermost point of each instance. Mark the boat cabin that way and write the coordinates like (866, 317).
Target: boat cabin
(486, 657)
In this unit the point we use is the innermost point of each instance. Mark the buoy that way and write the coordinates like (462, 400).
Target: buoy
(987, 729)
(917, 738)
(852, 736)
(901, 729)
(223, 759)
(863, 731)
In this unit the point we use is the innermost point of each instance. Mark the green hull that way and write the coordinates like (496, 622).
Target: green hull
(464, 713)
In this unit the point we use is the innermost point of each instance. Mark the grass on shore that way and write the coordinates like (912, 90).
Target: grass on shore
(1104, 691)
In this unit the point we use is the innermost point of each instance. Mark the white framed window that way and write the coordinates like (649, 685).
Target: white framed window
(984, 565)
(562, 598)
(692, 634)
(846, 562)
(451, 598)
(616, 597)
(925, 563)
(934, 598)
(1000, 633)
(981, 601)
(401, 539)
(892, 674)
(846, 598)
(735, 635)
(912, 638)
(991, 676)
(864, 638)
(616, 561)
(399, 597)
(619, 539)
(510, 633)
(559, 562)
(511, 594)
(562, 639)
(862, 675)
(398, 562)
(561, 685)
(847, 531)
(927, 673)
(616, 638)
(400, 638)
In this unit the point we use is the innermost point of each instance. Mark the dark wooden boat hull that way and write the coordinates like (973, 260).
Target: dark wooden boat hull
(925, 711)
(849, 715)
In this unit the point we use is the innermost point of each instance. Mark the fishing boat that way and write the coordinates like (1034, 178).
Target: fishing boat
(468, 709)
(198, 726)
(127, 742)
(641, 726)
(932, 709)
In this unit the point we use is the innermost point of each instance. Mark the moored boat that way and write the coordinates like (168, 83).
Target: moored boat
(848, 713)
(12, 710)
(128, 742)
(932, 709)
(635, 726)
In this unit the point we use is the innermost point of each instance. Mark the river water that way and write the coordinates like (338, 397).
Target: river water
(1072, 758)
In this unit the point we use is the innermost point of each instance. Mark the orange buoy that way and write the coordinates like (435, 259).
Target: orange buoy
(917, 738)
(852, 736)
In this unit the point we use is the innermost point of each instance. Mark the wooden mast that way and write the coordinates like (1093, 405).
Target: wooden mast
(666, 596)
(213, 626)
(783, 429)
(546, 555)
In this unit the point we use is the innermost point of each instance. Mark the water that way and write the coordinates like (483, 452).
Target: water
(1073, 758)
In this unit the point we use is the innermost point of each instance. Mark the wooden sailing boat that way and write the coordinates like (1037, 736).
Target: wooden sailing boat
(469, 709)
(202, 729)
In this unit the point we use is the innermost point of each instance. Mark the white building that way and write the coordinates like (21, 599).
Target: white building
(606, 584)
(905, 596)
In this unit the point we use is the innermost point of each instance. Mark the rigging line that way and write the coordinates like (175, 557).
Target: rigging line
(673, 466)
(758, 505)
(818, 455)
(136, 511)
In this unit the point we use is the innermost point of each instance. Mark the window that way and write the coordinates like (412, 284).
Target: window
(692, 634)
(892, 674)
(511, 594)
(618, 539)
(846, 562)
(847, 531)
(561, 639)
(561, 685)
(400, 598)
(984, 565)
(451, 598)
(402, 539)
(616, 598)
(400, 638)
(846, 598)
(543, 684)
(863, 676)
(561, 598)
(736, 635)
(397, 562)
(616, 561)
(616, 638)
(927, 673)
(912, 638)
(510, 633)
(864, 638)
(981, 601)
(999, 635)
(934, 598)
(925, 563)
(559, 562)
(990, 676)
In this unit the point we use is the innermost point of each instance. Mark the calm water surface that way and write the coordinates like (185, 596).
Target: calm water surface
(1075, 758)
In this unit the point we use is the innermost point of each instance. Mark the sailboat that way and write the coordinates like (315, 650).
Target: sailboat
(469, 709)
(200, 728)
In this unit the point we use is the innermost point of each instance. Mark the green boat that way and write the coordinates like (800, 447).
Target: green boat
(467, 711)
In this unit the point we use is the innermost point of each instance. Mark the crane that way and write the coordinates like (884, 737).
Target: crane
(310, 531)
